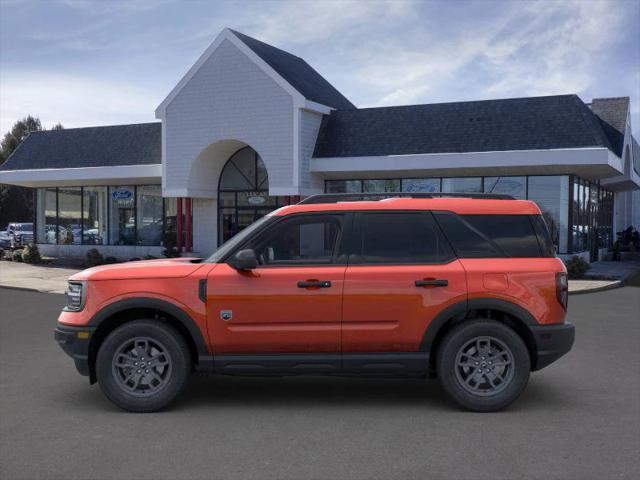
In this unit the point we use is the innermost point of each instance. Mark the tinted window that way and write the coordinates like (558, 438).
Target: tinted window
(544, 239)
(514, 234)
(300, 241)
(467, 241)
(402, 238)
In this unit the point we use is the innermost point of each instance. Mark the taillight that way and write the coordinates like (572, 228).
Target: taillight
(562, 289)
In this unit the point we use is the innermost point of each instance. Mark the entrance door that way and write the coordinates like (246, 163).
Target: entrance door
(404, 274)
(290, 304)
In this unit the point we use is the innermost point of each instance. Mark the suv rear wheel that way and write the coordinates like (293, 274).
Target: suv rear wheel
(143, 365)
(483, 365)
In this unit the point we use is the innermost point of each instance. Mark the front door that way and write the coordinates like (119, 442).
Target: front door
(404, 274)
(291, 303)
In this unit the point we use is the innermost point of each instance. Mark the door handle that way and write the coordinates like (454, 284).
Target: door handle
(314, 284)
(432, 282)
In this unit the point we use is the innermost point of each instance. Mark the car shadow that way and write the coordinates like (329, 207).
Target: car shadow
(217, 391)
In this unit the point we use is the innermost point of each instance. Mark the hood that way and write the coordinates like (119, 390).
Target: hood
(164, 268)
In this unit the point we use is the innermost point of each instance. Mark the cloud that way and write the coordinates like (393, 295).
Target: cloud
(307, 22)
(72, 100)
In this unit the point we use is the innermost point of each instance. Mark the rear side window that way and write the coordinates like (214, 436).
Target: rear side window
(514, 234)
(547, 247)
(487, 236)
(401, 238)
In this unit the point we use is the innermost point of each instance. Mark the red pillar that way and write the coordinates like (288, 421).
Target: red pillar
(189, 240)
(179, 224)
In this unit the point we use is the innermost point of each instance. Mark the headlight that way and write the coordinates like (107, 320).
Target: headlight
(75, 297)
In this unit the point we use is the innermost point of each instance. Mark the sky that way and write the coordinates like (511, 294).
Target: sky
(85, 63)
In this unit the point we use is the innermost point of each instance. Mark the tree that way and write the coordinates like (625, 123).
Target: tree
(16, 203)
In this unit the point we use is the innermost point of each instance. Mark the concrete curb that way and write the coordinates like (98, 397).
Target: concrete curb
(28, 289)
(611, 286)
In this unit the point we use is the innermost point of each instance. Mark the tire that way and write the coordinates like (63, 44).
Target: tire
(494, 350)
(143, 365)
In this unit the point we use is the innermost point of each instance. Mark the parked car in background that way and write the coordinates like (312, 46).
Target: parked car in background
(5, 239)
(20, 234)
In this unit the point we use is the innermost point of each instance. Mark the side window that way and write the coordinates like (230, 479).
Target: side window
(544, 239)
(466, 241)
(308, 240)
(399, 237)
(512, 233)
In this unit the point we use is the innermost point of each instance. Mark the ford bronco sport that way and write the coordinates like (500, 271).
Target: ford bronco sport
(465, 288)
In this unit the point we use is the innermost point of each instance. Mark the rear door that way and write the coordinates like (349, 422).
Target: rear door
(402, 275)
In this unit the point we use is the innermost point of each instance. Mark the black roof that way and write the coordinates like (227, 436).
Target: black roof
(612, 113)
(533, 123)
(298, 73)
(137, 144)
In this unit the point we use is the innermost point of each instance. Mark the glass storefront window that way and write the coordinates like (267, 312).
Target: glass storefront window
(122, 217)
(343, 186)
(514, 186)
(70, 216)
(105, 216)
(462, 185)
(426, 185)
(46, 215)
(380, 186)
(94, 215)
(170, 222)
(149, 214)
(551, 193)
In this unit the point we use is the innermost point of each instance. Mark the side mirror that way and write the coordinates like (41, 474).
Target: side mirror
(244, 260)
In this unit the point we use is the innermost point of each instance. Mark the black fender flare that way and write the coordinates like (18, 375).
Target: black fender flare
(155, 304)
(465, 306)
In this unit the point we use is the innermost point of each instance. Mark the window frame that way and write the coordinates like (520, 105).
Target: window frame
(345, 220)
(355, 244)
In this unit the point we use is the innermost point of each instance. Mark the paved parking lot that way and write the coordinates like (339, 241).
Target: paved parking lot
(578, 419)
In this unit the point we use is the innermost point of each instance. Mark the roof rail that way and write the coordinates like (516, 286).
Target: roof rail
(364, 197)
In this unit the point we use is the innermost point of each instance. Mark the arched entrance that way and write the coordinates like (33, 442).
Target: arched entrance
(243, 193)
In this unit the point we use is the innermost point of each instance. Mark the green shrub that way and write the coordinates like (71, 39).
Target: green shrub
(93, 258)
(1, 254)
(31, 254)
(110, 260)
(149, 257)
(576, 267)
(134, 259)
(17, 256)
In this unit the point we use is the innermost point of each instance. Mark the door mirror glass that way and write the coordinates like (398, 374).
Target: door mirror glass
(244, 260)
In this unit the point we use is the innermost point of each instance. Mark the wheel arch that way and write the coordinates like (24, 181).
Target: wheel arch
(503, 311)
(127, 310)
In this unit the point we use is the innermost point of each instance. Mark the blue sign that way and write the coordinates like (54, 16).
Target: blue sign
(122, 194)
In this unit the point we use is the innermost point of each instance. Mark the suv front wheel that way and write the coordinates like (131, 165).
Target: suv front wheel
(143, 365)
(483, 365)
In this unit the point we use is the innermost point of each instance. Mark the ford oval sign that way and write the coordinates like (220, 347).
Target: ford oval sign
(256, 199)
(122, 194)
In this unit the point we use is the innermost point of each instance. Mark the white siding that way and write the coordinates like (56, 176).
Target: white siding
(205, 221)
(229, 97)
(309, 127)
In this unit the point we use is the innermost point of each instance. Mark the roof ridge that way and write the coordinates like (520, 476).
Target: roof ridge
(235, 32)
(464, 101)
(593, 124)
(98, 126)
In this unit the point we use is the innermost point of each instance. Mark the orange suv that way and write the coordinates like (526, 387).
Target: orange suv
(465, 288)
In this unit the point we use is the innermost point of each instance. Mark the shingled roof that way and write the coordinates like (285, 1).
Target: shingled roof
(533, 123)
(298, 73)
(116, 145)
(612, 113)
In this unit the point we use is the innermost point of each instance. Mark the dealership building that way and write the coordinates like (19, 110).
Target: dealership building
(251, 127)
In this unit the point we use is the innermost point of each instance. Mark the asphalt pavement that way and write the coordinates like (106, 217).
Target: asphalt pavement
(578, 418)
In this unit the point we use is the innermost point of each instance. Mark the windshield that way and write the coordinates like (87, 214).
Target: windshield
(23, 227)
(224, 249)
